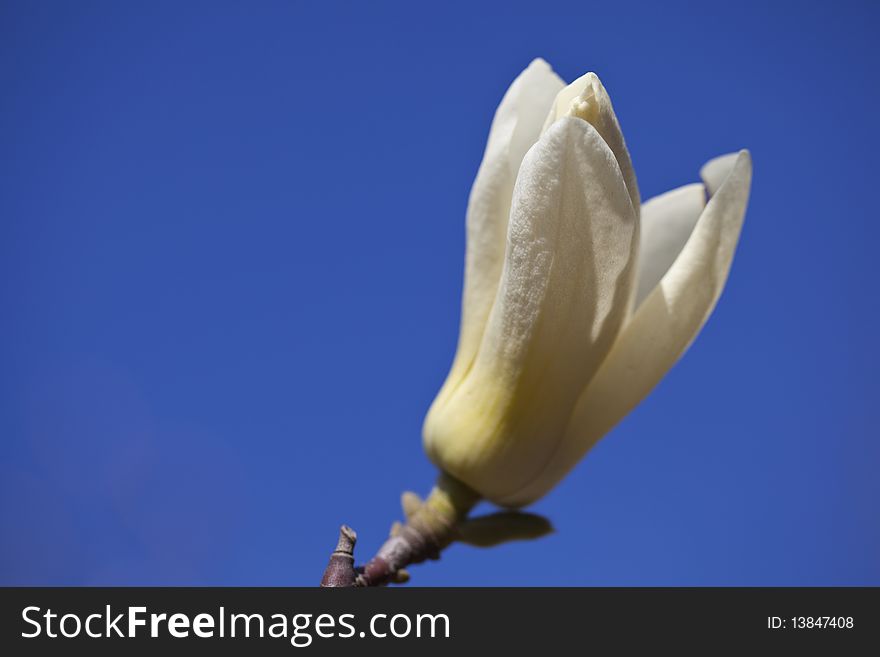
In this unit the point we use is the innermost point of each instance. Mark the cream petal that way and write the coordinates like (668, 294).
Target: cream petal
(666, 224)
(515, 128)
(587, 98)
(716, 170)
(564, 293)
(662, 328)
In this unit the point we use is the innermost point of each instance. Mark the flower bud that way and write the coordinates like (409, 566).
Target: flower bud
(568, 320)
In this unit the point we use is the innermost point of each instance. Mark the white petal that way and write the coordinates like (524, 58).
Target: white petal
(715, 171)
(662, 328)
(564, 294)
(515, 128)
(666, 224)
(587, 98)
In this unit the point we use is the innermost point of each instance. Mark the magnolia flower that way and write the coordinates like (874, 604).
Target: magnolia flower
(576, 301)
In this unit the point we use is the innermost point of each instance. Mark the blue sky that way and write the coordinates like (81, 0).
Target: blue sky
(231, 251)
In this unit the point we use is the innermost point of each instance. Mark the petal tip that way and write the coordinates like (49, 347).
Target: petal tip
(716, 170)
(539, 63)
(743, 155)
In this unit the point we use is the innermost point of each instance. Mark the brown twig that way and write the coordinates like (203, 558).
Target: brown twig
(429, 528)
(340, 571)
(431, 525)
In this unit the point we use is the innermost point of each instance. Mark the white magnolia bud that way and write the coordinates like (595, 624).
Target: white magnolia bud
(576, 302)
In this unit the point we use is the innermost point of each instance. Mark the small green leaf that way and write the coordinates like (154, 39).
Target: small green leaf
(410, 503)
(503, 527)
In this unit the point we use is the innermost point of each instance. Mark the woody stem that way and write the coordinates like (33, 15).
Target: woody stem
(430, 529)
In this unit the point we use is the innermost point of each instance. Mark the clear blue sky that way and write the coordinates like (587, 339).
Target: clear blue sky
(231, 251)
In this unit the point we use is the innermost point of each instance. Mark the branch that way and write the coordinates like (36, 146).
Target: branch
(431, 526)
